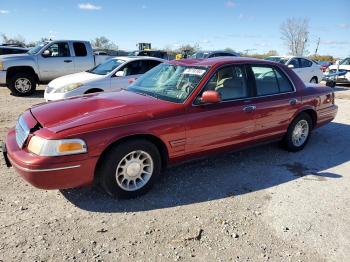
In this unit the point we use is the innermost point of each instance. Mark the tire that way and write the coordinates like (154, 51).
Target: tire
(22, 84)
(314, 80)
(290, 140)
(121, 164)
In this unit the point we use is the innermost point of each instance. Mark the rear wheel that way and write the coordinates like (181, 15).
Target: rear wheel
(298, 133)
(130, 169)
(22, 84)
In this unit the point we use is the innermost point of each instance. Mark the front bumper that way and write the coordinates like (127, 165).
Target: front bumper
(49, 172)
(3, 77)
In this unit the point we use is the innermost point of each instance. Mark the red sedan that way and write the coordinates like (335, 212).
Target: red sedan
(177, 111)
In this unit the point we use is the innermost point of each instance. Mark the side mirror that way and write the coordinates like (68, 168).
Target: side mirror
(46, 53)
(291, 66)
(119, 74)
(211, 97)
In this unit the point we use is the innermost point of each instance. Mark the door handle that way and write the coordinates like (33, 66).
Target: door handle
(293, 101)
(68, 61)
(248, 109)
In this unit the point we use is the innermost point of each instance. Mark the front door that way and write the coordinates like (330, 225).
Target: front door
(230, 122)
(55, 61)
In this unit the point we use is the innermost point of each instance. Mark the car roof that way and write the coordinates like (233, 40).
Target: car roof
(208, 62)
(134, 58)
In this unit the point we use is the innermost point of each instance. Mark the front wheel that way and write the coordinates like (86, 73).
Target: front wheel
(22, 84)
(130, 169)
(298, 133)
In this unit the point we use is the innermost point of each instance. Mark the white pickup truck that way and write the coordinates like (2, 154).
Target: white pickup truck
(45, 62)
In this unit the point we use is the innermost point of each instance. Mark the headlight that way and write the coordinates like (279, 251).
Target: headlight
(67, 88)
(1, 65)
(44, 147)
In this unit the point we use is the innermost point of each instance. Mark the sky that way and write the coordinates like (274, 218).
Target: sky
(252, 25)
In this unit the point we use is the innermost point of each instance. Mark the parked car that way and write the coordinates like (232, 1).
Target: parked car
(45, 62)
(11, 50)
(179, 110)
(324, 65)
(151, 53)
(112, 75)
(211, 54)
(342, 66)
(306, 69)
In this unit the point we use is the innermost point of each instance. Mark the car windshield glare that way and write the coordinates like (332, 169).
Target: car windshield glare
(36, 49)
(106, 67)
(277, 59)
(169, 82)
(346, 61)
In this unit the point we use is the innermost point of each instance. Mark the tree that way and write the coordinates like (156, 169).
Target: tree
(18, 40)
(103, 43)
(295, 34)
(190, 49)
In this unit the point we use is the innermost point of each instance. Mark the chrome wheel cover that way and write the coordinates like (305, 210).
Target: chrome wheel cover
(134, 170)
(23, 85)
(300, 133)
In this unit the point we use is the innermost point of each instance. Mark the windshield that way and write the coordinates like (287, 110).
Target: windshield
(200, 55)
(169, 82)
(35, 50)
(346, 61)
(106, 67)
(278, 59)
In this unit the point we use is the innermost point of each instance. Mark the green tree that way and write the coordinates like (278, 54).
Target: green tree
(103, 42)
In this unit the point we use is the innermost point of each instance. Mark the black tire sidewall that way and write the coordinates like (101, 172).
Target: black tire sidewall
(109, 163)
(22, 75)
(288, 138)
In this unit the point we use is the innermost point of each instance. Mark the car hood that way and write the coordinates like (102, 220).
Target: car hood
(13, 56)
(82, 77)
(101, 110)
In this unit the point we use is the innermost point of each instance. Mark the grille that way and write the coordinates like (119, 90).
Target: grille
(22, 132)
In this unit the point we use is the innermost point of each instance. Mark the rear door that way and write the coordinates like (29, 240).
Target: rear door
(307, 70)
(275, 101)
(82, 60)
(296, 67)
(58, 61)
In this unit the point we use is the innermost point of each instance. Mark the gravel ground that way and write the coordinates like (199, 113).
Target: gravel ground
(255, 205)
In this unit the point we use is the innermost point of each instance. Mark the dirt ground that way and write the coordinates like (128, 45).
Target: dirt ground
(256, 205)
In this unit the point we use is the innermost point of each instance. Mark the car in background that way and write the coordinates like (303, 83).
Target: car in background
(211, 54)
(179, 110)
(152, 53)
(48, 60)
(11, 50)
(342, 66)
(306, 69)
(324, 65)
(113, 75)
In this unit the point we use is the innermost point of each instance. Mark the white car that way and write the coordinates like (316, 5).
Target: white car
(309, 71)
(343, 65)
(112, 75)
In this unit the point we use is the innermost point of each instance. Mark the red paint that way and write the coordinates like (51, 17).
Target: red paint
(186, 130)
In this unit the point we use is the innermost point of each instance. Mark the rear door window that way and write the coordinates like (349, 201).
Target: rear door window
(79, 49)
(269, 81)
(305, 62)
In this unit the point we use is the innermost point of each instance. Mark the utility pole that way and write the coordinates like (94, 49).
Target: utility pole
(318, 43)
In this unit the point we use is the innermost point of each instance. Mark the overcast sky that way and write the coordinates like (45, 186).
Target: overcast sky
(213, 24)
